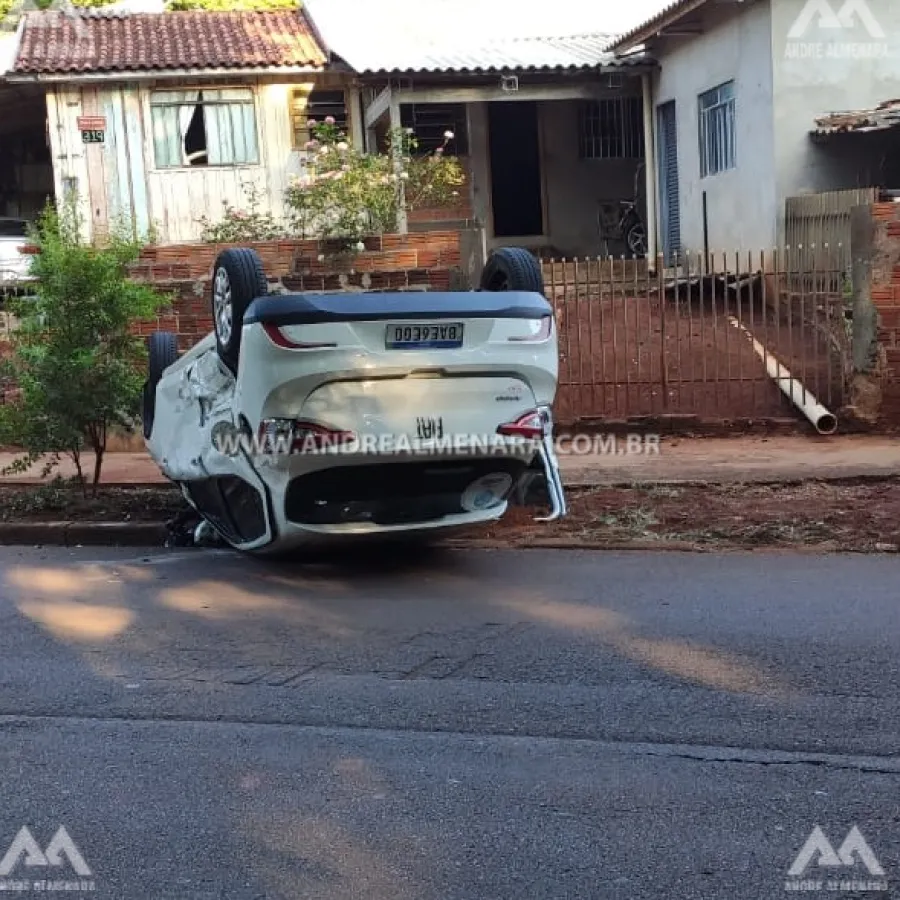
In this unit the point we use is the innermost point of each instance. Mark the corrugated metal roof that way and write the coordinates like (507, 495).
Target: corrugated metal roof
(577, 52)
(406, 36)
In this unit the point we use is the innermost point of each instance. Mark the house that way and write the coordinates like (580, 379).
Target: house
(741, 103)
(160, 118)
(549, 126)
(26, 171)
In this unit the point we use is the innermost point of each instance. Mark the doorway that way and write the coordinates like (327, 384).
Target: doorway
(516, 190)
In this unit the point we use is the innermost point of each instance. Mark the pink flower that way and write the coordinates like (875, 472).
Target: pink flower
(439, 151)
(311, 123)
(329, 120)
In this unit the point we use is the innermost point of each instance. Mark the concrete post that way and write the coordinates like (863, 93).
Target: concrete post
(402, 220)
(650, 169)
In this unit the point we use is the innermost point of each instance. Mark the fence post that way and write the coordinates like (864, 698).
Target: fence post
(661, 293)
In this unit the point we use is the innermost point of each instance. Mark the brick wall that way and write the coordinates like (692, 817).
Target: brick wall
(420, 261)
(884, 290)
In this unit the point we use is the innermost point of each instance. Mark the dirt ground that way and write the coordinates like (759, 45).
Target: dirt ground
(855, 516)
(59, 502)
(861, 516)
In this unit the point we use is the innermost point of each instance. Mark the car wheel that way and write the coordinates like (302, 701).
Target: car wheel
(162, 351)
(512, 269)
(238, 279)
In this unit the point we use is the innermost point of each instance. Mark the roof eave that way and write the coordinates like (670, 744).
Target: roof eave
(655, 26)
(159, 74)
(646, 64)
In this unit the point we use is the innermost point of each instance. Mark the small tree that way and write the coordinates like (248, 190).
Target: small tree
(76, 365)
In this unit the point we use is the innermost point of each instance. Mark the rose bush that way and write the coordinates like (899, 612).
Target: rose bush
(242, 225)
(347, 194)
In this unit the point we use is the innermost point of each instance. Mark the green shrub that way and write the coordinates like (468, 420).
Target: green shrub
(242, 225)
(347, 194)
(77, 367)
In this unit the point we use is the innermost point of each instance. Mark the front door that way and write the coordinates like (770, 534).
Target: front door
(670, 210)
(516, 189)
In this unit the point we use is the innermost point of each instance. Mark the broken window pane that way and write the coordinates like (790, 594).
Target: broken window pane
(199, 128)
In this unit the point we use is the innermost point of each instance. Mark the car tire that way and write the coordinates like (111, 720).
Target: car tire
(512, 269)
(238, 279)
(162, 351)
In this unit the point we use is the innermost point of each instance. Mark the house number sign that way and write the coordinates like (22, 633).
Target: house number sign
(93, 129)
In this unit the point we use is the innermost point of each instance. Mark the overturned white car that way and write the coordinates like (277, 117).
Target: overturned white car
(320, 416)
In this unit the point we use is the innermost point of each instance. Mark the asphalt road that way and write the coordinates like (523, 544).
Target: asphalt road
(460, 726)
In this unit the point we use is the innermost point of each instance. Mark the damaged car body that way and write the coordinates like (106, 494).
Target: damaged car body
(305, 417)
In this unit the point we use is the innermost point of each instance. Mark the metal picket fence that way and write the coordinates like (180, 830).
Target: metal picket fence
(700, 339)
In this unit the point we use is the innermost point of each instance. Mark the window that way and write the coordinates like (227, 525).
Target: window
(204, 128)
(717, 143)
(430, 121)
(316, 105)
(611, 129)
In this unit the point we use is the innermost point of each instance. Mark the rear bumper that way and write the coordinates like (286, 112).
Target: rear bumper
(367, 495)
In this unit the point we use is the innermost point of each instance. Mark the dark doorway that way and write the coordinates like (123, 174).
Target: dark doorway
(515, 169)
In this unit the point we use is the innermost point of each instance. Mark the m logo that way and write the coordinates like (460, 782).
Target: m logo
(851, 13)
(25, 845)
(817, 845)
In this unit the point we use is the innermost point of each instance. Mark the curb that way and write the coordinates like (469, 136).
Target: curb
(571, 544)
(75, 534)
(155, 534)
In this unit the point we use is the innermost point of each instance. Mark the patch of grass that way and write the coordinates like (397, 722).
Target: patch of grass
(662, 491)
(631, 522)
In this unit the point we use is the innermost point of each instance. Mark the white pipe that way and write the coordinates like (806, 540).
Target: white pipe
(823, 421)
(649, 170)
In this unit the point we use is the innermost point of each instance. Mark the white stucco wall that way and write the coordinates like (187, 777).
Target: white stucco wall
(830, 70)
(741, 202)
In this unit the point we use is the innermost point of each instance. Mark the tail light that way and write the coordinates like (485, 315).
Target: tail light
(29, 249)
(280, 339)
(300, 435)
(541, 329)
(529, 426)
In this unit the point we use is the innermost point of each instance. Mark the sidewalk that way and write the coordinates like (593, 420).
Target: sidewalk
(720, 460)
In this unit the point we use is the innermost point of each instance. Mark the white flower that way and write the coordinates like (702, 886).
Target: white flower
(409, 130)
(448, 135)
(342, 145)
(404, 176)
(360, 246)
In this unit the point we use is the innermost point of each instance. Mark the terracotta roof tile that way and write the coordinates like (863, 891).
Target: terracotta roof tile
(94, 41)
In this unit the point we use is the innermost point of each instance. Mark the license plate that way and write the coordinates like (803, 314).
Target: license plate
(424, 337)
